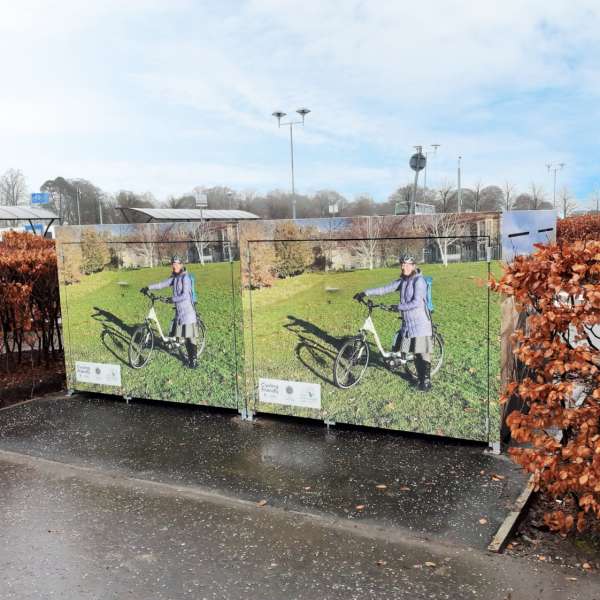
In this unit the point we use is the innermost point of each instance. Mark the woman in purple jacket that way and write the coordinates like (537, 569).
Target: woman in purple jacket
(415, 335)
(185, 323)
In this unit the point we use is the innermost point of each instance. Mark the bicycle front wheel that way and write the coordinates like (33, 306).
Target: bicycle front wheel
(351, 363)
(140, 347)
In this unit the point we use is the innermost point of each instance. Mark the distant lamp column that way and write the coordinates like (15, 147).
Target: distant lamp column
(459, 188)
(434, 152)
(279, 115)
(78, 208)
(554, 168)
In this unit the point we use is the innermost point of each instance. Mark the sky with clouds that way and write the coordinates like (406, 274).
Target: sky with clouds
(164, 95)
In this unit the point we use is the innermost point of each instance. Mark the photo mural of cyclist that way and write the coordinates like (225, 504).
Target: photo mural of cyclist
(152, 310)
(186, 327)
(377, 321)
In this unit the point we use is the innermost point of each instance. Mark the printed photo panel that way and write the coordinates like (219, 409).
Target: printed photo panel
(175, 341)
(301, 322)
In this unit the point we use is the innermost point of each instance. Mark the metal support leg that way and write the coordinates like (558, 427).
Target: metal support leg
(246, 415)
(494, 448)
(329, 423)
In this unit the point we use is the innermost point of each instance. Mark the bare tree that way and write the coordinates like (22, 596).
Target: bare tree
(12, 188)
(444, 195)
(538, 196)
(491, 199)
(367, 231)
(477, 188)
(145, 246)
(444, 229)
(508, 190)
(567, 202)
(201, 232)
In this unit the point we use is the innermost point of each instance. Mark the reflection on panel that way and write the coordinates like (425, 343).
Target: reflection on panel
(313, 350)
(152, 312)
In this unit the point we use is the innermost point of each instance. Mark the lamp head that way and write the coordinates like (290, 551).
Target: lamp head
(303, 112)
(279, 115)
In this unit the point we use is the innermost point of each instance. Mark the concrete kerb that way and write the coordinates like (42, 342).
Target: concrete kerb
(52, 396)
(505, 530)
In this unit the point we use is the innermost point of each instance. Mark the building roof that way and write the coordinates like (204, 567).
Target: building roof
(25, 213)
(191, 214)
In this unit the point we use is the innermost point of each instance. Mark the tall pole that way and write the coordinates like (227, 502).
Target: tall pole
(293, 183)
(413, 204)
(78, 211)
(458, 189)
(554, 190)
(279, 115)
(100, 209)
(435, 147)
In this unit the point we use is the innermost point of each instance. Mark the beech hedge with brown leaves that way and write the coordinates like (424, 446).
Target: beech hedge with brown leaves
(29, 298)
(584, 227)
(559, 288)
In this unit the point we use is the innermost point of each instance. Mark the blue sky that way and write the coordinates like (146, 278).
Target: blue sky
(165, 95)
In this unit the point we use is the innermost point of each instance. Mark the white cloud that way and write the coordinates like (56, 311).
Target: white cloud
(188, 88)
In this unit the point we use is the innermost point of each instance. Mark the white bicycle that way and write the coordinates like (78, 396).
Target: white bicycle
(353, 357)
(143, 338)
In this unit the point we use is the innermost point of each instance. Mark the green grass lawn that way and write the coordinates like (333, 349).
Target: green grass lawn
(298, 325)
(100, 316)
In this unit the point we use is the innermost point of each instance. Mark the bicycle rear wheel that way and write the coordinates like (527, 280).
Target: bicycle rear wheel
(437, 358)
(351, 363)
(140, 347)
(201, 339)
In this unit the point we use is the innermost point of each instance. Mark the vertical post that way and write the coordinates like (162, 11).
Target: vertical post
(100, 210)
(293, 184)
(78, 211)
(458, 189)
(413, 204)
(554, 192)
(425, 175)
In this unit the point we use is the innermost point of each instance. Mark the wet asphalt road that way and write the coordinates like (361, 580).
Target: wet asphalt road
(100, 500)
(88, 536)
(434, 488)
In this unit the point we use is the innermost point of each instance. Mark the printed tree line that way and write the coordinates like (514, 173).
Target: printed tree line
(281, 249)
(89, 250)
(29, 300)
(557, 290)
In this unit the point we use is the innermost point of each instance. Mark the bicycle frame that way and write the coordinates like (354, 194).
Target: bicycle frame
(152, 318)
(369, 327)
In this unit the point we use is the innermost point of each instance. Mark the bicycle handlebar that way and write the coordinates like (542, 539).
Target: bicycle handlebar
(155, 298)
(371, 305)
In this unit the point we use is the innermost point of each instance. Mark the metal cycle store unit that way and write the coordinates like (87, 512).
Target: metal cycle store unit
(276, 299)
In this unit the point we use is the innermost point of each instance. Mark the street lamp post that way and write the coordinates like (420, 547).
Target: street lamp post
(435, 149)
(279, 115)
(459, 189)
(554, 168)
(78, 209)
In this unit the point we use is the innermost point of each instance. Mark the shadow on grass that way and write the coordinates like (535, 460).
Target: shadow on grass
(316, 350)
(115, 334)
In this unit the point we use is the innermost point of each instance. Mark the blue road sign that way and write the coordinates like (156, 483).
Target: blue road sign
(40, 198)
(37, 228)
